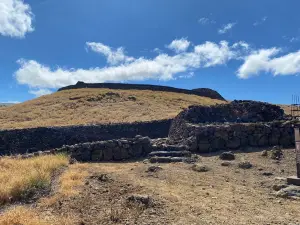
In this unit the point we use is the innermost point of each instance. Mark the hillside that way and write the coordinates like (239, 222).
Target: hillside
(91, 106)
(5, 104)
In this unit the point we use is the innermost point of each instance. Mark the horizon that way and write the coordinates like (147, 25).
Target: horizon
(243, 50)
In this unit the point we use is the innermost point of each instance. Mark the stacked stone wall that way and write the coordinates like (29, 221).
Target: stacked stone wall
(208, 138)
(111, 150)
(232, 126)
(45, 138)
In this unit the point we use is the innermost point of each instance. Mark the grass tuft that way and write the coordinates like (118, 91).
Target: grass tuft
(22, 178)
(29, 216)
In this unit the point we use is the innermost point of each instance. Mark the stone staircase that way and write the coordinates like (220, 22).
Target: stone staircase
(164, 153)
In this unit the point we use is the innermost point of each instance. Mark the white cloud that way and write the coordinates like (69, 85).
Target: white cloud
(10, 102)
(291, 39)
(113, 56)
(187, 76)
(214, 54)
(256, 62)
(264, 60)
(241, 44)
(161, 67)
(261, 21)
(226, 28)
(205, 21)
(40, 92)
(179, 45)
(41, 77)
(294, 39)
(15, 18)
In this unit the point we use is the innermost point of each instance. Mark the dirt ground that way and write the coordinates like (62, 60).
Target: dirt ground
(178, 195)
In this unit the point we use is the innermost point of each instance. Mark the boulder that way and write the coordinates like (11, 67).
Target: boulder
(289, 192)
(227, 156)
(245, 165)
(200, 168)
(141, 200)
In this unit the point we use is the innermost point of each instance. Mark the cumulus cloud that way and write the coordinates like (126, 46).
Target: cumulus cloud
(161, 67)
(265, 60)
(40, 92)
(294, 39)
(179, 45)
(157, 50)
(187, 76)
(113, 56)
(226, 28)
(214, 54)
(15, 18)
(256, 62)
(261, 21)
(205, 21)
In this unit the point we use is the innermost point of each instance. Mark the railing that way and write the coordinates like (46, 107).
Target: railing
(295, 107)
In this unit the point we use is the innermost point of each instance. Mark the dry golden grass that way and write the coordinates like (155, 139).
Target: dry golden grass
(223, 195)
(21, 177)
(286, 108)
(21, 216)
(91, 106)
(70, 183)
(28, 216)
(72, 179)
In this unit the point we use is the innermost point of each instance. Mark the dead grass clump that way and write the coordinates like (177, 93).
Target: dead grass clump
(72, 179)
(21, 178)
(29, 216)
(19, 216)
(70, 183)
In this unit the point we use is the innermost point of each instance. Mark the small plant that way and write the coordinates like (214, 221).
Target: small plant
(276, 153)
(132, 98)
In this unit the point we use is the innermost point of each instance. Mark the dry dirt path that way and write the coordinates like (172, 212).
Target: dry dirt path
(223, 195)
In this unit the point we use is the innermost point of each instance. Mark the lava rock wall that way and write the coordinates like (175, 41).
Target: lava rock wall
(209, 138)
(231, 126)
(111, 150)
(45, 138)
(236, 111)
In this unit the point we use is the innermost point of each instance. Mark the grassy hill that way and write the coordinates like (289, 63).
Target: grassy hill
(91, 106)
(5, 104)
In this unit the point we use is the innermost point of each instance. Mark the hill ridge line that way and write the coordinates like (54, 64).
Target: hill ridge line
(204, 92)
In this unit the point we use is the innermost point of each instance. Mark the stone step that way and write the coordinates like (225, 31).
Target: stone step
(171, 153)
(167, 159)
(170, 148)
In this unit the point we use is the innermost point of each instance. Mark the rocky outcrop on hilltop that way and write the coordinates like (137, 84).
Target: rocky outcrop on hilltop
(204, 92)
(207, 92)
(235, 112)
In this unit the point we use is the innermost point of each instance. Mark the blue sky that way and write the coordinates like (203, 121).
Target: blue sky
(243, 49)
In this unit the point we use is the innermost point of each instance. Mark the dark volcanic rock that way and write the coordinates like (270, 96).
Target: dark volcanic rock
(236, 111)
(231, 126)
(207, 92)
(227, 156)
(245, 165)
